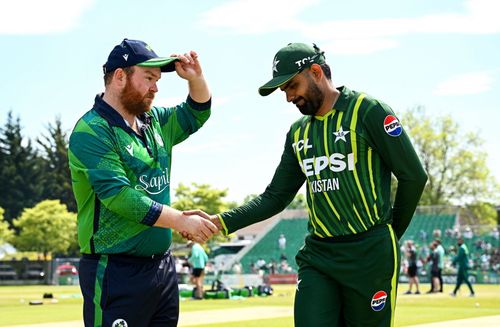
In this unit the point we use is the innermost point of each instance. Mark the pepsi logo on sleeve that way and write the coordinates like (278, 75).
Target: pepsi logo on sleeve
(392, 126)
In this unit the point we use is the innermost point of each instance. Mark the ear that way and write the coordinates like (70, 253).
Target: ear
(120, 76)
(316, 71)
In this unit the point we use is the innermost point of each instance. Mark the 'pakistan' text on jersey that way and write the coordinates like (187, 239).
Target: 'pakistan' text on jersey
(346, 157)
(121, 180)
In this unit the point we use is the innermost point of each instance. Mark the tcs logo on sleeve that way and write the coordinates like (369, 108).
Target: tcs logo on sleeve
(392, 126)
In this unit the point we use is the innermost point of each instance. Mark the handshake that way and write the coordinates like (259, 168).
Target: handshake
(198, 226)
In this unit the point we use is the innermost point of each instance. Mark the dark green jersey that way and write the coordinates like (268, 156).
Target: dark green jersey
(346, 157)
(462, 257)
(121, 179)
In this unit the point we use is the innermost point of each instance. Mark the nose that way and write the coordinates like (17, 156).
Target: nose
(289, 97)
(154, 88)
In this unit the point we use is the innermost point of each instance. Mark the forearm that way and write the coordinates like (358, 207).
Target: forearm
(407, 197)
(198, 89)
(169, 218)
(264, 206)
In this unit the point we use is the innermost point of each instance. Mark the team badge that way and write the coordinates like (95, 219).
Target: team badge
(340, 134)
(378, 300)
(392, 126)
(119, 323)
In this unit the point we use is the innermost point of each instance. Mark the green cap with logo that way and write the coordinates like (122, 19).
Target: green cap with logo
(289, 61)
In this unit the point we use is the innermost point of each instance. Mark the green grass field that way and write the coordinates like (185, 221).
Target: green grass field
(411, 309)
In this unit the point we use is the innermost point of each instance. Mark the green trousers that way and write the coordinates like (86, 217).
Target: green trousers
(348, 281)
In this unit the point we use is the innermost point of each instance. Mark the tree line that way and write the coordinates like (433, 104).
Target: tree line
(37, 203)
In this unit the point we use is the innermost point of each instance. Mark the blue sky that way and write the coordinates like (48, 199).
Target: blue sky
(444, 55)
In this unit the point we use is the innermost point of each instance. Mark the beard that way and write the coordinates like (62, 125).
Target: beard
(133, 101)
(312, 100)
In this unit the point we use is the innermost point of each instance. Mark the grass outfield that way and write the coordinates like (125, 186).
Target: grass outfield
(411, 309)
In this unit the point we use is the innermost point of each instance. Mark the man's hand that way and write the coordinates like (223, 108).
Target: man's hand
(196, 226)
(188, 67)
(212, 218)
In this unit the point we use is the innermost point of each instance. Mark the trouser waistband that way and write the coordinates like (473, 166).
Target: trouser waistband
(374, 230)
(126, 257)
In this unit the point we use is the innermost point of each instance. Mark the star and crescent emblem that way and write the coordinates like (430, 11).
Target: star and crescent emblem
(340, 134)
(275, 64)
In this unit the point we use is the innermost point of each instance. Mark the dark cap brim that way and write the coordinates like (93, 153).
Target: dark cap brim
(273, 84)
(167, 64)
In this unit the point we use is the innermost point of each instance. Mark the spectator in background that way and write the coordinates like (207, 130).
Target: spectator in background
(412, 270)
(237, 268)
(272, 267)
(495, 233)
(441, 252)
(423, 236)
(436, 233)
(282, 242)
(198, 260)
(468, 234)
(261, 263)
(433, 260)
(462, 260)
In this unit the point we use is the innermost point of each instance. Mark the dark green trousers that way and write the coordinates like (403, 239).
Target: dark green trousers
(348, 281)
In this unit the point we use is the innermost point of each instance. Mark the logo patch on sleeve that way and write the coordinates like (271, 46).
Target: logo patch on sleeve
(392, 126)
(378, 300)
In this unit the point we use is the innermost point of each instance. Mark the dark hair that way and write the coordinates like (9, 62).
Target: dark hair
(109, 75)
(326, 69)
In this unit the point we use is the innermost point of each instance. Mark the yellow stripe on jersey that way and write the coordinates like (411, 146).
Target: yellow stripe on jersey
(354, 121)
(325, 193)
(306, 133)
(359, 217)
(372, 183)
(312, 222)
(314, 217)
(394, 273)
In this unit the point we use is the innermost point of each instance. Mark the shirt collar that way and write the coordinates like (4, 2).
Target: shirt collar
(113, 117)
(342, 102)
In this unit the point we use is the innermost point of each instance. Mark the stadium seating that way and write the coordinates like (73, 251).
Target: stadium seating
(267, 248)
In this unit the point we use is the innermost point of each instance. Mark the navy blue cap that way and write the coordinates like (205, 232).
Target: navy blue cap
(137, 53)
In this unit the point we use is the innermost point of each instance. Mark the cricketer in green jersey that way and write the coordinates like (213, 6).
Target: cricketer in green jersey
(345, 148)
(462, 261)
(120, 157)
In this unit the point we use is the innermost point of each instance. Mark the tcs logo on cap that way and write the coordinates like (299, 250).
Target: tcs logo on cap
(378, 300)
(392, 126)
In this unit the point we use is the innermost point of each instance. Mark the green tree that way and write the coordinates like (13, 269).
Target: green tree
(299, 202)
(46, 228)
(5, 231)
(454, 160)
(56, 174)
(20, 170)
(201, 196)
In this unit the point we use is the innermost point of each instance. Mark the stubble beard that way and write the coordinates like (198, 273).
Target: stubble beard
(133, 101)
(313, 101)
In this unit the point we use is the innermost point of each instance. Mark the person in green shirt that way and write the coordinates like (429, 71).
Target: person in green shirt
(462, 261)
(198, 260)
(345, 148)
(120, 161)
